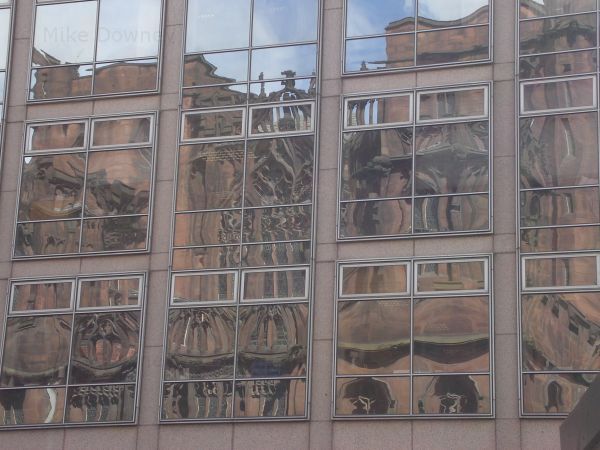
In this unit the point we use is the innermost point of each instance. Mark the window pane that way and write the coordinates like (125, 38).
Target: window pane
(558, 34)
(453, 394)
(383, 279)
(118, 403)
(282, 119)
(372, 396)
(4, 38)
(452, 276)
(215, 68)
(291, 223)
(128, 29)
(560, 239)
(205, 125)
(452, 159)
(206, 258)
(560, 272)
(125, 131)
(452, 214)
(217, 25)
(115, 234)
(36, 350)
(52, 187)
(275, 285)
(214, 96)
(126, 76)
(105, 348)
(288, 90)
(451, 335)
(284, 21)
(118, 182)
(376, 218)
(559, 150)
(279, 171)
(377, 164)
(450, 13)
(452, 104)
(539, 8)
(41, 296)
(204, 287)
(390, 52)
(272, 340)
(65, 33)
(212, 228)
(32, 406)
(560, 207)
(453, 45)
(365, 17)
(110, 293)
(373, 337)
(278, 253)
(396, 109)
(555, 64)
(561, 331)
(60, 82)
(555, 95)
(197, 401)
(281, 62)
(270, 398)
(554, 393)
(58, 136)
(210, 176)
(47, 238)
(200, 344)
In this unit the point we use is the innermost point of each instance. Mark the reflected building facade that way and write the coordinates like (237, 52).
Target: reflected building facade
(5, 41)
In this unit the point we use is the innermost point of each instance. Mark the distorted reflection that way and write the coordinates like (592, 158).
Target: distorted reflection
(539, 8)
(393, 109)
(126, 131)
(382, 279)
(372, 396)
(41, 296)
(287, 90)
(110, 293)
(276, 254)
(379, 53)
(447, 13)
(214, 96)
(376, 218)
(115, 234)
(32, 406)
(98, 404)
(367, 17)
(453, 213)
(452, 104)
(206, 258)
(204, 287)
(560, 207)
(451, 276)
(199, 400)
(284, 21)
(220, 124)
(60, 136)
(558, 34)
(558, 95)
(274, 285)
(47, 238)
(560, 239)
(278, 62)
(210, 228)
(560, 271)
(281, 119)
(270, 398)
(453, 45)
(288, 223)
(554, 393)
(61, 82)
(454, 394)
(555, 64)
(215, 68)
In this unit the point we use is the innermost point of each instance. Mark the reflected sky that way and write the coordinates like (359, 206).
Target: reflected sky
(372, 16)
(284, 21)
(4, 28)
(271, 62)
(446, 10)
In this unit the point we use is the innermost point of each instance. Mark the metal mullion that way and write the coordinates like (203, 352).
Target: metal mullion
(95, 53)
(415, 108)
(558, 188)
(377, 35)
(75, 301)
(414, 64)
(555, 16)
(411, 280)
(560, 372)
(550, 227)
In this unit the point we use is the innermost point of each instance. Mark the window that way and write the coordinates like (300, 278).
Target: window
(72, 351)
(413, 338)
(559, 212)
(415, 163)
(86, 186)
(5, 34)
(95, 47)
(238, 319)
(407, 34)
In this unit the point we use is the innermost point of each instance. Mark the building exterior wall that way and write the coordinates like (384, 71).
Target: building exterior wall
(505, 431)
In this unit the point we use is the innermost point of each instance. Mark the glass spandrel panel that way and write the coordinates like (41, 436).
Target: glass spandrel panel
(41, 296)
(209, 125)
(110, 293)
(451, 276)
(452, 158)
(282, 119)
(454, 45)
(560, 272)
(61, 82)
(277, 253)
(217, 25)
(125, 131)
(558, 34)
(64, 33)
(36, 350)
(369, 17)
(540, 8)
(47, 238)
(118, 182)
(126, 76)
(560, 150)
(554, 393)
(215, 68)
(4, 39)
(275, 285)
(272, 340)
(214, 96)
(60, 136)
(52, 187)
(382, 279)
(32, 406)
(284, 21)
(452, 104)
(105, 348)
(210, 176)
(451, 335)
(377, 164)
(198, 258)
(128, 29)
(556, 64)
(560, 207)
(369, 396)
(197, 401)
(558, 95)
(282, 62)
(99, 404)
(560, 239)
(452, 395)
(200, 344)
(391, 52)
(452, 214)
(561, 331)
(373, 337)
(270, 398)
(279, 171)
(204, 287)
(210, 228)
(451, 13)
(376, 218)
(289, 223)
(393, 109)
(115, 234)
(287, 90)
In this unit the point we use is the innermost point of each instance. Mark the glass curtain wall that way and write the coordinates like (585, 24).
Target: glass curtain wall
(238, 327)
(559, 208)
(5, 39)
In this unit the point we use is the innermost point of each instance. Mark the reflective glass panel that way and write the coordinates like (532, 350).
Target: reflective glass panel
(270, 398)
(560, 239)
(110, 293)
(383, 279)
(276, 284)
(115, 234)
(368, 17)
(372, 396)
(373, 337)
(452, 104)
(197, 401)
(41, 296)
(98, 404)
(280, 62)
(559, 207)
(539, 8)
(560, 272)
(452, 214)
(206, 125)
(289, 223)
(451, 276)
(380, 53)
(453, 45)
(215, 68)
(376, 218)
(396, 109)
(204, 287)
(32, 406)
(214, 96)
(450, 13)
(126, 131)
(557, 95)
(126, 76)
(47, 238)
(206, 258)
(4, 41)
(277, 253)
(556, 64)
(60, 136)
(554, 393)
(212, 228)
(284, 21)
(558, 34)
(453, 394)
(60, 82)
(281, 119)
(287, 90)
